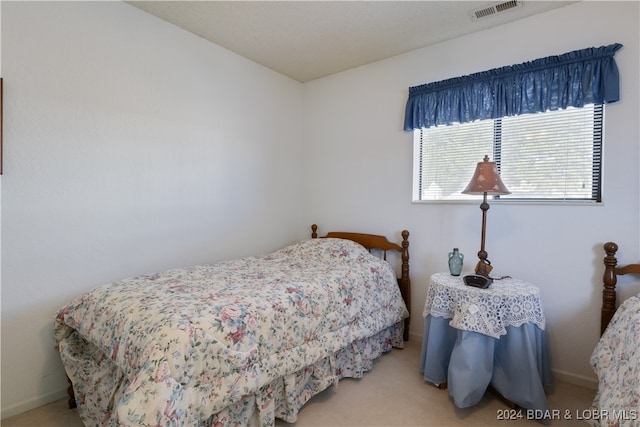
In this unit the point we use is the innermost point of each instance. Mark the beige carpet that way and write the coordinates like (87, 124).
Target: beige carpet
(393, 394)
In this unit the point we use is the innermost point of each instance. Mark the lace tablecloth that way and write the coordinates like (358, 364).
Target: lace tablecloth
(507, 302)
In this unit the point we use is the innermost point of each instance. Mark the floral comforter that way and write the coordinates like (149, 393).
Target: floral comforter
(616, 361)
(177, 347)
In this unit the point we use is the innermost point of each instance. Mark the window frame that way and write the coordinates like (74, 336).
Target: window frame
(596, 170)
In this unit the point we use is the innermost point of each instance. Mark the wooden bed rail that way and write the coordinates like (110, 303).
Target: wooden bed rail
(609, 280)
(373, 241)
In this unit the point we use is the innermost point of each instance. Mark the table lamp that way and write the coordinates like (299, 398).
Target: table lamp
(486, 180)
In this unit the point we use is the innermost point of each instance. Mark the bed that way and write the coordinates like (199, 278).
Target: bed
(616, 357)
(239, 342)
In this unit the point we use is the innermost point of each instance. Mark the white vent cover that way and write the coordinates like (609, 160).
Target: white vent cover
(493, 9)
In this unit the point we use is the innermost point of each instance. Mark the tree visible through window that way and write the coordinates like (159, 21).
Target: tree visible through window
(550, 156)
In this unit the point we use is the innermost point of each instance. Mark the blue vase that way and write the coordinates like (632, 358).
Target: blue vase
(455, 262)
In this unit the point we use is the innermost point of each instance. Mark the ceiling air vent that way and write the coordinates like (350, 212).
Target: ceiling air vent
(493, 9)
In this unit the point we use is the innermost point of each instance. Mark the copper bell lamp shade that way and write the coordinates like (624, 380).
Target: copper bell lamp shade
(486, 180)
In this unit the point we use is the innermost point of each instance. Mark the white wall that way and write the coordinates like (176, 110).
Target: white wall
(360, 171)
(130, 147)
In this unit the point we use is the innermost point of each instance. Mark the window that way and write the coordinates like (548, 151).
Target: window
(550, 156)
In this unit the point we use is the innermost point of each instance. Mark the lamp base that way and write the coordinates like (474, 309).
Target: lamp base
(483, 268)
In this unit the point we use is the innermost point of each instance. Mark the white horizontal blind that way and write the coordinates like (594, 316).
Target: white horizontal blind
(551, 155)
(449, 157)
(554, 155)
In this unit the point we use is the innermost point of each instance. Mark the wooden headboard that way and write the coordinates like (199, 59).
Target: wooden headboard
(373, 241)
(609, 280)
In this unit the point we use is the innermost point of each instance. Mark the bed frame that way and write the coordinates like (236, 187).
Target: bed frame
(610, 279)
(372, 241)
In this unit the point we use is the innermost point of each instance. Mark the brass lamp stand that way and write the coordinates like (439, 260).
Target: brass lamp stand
(486, 180)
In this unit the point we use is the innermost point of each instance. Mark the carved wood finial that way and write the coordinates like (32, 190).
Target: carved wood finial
(610, 248)
(314, 231)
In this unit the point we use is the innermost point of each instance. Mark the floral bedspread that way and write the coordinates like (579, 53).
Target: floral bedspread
(188, 342)
(616, 361)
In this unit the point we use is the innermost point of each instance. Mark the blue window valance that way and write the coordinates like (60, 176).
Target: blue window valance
(556, 82)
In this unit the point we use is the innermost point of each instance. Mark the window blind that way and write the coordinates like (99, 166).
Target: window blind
(554, 155)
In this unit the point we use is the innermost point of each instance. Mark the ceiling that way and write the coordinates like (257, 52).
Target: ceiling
(306, 40)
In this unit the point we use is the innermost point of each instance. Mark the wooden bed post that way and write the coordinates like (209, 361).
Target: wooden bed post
(609, 280)
(405, 282)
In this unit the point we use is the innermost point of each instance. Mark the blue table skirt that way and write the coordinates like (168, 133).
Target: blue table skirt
(516, 365)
